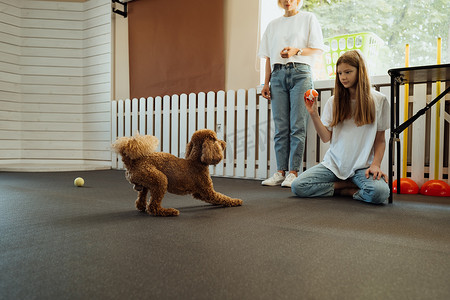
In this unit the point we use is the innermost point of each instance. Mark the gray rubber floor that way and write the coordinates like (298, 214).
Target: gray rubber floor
(58, 241)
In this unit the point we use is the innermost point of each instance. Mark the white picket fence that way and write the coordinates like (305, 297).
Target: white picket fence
(243, 120)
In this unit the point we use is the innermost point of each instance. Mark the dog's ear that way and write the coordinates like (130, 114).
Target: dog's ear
(188, 150)
(193, 150)
(189, 147)
(212, 151)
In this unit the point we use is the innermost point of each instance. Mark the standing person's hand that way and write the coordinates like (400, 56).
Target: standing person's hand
(288, 52)
(265, 92)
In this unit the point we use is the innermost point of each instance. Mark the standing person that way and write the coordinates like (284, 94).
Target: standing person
(354, 121)
(289, 45)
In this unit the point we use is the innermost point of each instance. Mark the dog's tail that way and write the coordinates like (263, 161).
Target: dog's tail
(136, 146)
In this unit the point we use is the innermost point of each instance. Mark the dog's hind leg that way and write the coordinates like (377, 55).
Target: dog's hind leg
(158, 188)
(155, 208)
(141, 201)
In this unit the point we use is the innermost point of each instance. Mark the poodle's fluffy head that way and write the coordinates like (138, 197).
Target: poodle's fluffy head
(205, 147)
(136, 146)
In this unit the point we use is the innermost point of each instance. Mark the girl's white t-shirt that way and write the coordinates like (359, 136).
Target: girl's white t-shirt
(351, 147)
(300, 31)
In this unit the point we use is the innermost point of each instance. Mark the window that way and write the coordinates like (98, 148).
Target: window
(379, 28)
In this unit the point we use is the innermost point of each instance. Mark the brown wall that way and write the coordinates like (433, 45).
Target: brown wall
(176, 47)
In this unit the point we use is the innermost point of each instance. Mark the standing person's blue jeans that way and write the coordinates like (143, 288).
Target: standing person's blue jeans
(288, 83)
(318, 181)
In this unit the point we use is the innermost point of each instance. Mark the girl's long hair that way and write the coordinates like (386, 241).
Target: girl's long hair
(364, 112)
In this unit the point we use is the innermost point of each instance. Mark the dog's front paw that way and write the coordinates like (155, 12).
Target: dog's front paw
(232, 202)
(236, 202)
(163, 212)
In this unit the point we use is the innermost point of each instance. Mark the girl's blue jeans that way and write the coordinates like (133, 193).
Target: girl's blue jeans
(288, 83)
(318, 181)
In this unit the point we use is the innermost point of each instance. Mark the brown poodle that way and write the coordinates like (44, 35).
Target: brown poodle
(159, 172)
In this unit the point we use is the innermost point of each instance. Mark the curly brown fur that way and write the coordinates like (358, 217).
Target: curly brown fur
(158, 172)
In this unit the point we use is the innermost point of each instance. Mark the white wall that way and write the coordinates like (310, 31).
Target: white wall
(10, 81)
(121, 66)
(241, 44)
(97, 47)
(55, 83)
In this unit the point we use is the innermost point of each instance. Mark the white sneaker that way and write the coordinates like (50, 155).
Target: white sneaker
(288, 181)
(276, 179)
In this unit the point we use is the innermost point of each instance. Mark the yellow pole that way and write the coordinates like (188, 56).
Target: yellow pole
(438, 116)
(405, 117)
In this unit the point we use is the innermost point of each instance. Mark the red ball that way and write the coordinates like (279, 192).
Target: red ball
(435, 188)
(310, 95)
(407, 186)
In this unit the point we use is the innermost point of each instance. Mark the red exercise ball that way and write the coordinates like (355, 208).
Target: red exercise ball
(310, 95)
(407, 186)
(435, 188)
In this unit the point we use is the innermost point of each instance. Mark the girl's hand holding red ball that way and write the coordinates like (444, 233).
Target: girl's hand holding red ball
(311, 96)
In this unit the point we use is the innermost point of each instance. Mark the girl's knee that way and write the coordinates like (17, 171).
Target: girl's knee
(377, 193)
(297, 187)
(382, 194)
(300, 187)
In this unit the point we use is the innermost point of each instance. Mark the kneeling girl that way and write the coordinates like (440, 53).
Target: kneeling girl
(354, 121)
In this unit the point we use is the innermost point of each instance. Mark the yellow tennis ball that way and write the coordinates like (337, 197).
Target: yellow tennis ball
(78, 181)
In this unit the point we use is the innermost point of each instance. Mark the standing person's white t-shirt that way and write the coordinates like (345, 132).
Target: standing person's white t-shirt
(351, 146)
(299, 31)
